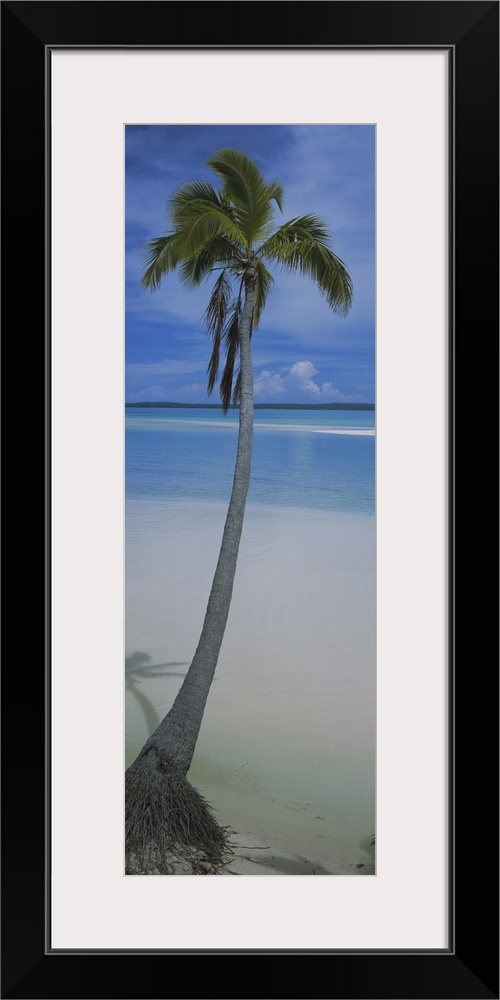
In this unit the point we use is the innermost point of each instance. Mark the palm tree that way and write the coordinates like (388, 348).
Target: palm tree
(227, 232)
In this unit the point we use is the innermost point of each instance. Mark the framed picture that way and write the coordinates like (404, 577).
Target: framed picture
(423, 76)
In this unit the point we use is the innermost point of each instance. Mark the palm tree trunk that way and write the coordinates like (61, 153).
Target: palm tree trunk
(178, 732)
(158, 798)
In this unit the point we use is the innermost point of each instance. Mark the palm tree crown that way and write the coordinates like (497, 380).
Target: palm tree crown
(230, 230)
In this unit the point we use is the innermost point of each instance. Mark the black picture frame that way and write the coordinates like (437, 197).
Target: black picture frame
(469, 969)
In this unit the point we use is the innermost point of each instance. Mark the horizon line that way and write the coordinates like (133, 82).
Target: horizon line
(282, 406)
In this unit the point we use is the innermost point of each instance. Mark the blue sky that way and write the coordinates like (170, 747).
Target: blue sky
(302, 351)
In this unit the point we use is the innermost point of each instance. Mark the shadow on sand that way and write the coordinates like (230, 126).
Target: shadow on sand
(138, 667)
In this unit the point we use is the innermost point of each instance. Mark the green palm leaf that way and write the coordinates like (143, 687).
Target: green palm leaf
(215, 318)
(262, 288)
(303, 245)
(231, 343)
(216, 252)
(199, 213)
(275, 193)
(247, 190)
(160, 257)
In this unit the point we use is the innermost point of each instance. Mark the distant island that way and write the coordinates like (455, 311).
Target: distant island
(260, 406)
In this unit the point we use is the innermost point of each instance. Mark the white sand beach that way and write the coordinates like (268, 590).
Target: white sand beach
(286, 753)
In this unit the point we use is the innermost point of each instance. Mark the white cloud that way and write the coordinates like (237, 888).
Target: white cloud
(154, 394)
(301, 374)
(298, 384)
(195, 393)
(269, 385)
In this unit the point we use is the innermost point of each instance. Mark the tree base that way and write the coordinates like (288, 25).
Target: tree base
(179, 860)
(169, 828)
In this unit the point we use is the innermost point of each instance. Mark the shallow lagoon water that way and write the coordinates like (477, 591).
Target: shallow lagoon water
(313, 458)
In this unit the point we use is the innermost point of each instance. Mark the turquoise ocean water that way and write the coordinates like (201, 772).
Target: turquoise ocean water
(318, 459)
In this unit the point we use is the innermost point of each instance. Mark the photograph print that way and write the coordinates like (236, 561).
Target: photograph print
(250, 584)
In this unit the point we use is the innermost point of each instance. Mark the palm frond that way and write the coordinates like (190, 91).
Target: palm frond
(262, 288)
(231, 343)
(302, 227)
(160, 256)
(216, 252)
(204, 225)
(199, 213)
(184, 196)
(245, 187)
(303, 245)
(215, 318)
(213, 365)
(237, 388)
(275, 192)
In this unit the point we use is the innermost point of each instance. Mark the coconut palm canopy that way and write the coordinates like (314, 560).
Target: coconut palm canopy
(230, 233)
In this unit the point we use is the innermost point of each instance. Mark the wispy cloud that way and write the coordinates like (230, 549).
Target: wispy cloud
(152, 394)
(164, 367)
